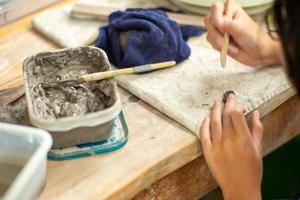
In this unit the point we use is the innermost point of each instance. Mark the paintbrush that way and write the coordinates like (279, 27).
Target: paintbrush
(228, 15)
(112, 73)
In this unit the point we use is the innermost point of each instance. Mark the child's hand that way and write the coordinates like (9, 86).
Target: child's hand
(249, 44)
(233, 150)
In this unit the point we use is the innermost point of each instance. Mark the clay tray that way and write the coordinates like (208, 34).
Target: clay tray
(116, 141)
(70, 131)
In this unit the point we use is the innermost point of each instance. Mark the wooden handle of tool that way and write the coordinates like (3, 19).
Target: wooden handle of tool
(225, 47)
(107, 74)
(102, 13)
(154, 66)
(126, 71)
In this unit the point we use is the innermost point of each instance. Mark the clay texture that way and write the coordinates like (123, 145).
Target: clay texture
(186, 92)
(61, 100)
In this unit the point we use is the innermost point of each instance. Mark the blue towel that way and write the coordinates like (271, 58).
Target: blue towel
(152, 38)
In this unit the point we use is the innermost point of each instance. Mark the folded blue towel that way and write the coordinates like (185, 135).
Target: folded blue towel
(152, 38)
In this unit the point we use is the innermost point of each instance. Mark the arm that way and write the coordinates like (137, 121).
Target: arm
(249, 44)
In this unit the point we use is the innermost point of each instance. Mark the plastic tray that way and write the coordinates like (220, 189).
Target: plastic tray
(70, 131)
(23, 161)
(117, 140)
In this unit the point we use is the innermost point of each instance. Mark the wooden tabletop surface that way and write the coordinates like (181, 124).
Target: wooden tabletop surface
(162, 159)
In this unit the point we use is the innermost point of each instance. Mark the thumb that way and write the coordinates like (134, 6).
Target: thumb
(256, 129)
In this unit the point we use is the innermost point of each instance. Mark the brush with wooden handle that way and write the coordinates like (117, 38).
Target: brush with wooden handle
(126, 71)
(225, 47)
(113, 73)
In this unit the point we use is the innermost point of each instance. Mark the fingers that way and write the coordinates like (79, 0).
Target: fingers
(231, 122)
(233, 28)
(230, 103)
(256, 129)
(233, 49)
(217, 16)
(216, 122)
(216, 39)
(205, 134)
(239, 25)
(217, 24)
(228, 130)
(239, 122)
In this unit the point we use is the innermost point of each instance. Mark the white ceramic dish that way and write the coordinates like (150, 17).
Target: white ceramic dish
(243, 3)
(204, 10)
(23, 161)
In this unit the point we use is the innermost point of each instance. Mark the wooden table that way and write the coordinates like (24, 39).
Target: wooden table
(162, 159)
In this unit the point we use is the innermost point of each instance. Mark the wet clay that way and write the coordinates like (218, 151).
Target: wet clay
(226, 95)
(14, 112)
(61, 100)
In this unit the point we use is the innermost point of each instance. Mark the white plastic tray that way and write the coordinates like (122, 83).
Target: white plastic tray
(23, 161)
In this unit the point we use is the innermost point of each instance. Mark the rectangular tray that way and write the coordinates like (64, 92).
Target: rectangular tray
(70, 131)
(117, 140)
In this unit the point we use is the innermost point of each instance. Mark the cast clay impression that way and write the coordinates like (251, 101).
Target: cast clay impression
(62, 100)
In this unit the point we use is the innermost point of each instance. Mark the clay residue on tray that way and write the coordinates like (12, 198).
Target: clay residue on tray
(14, 112)
(62, 100)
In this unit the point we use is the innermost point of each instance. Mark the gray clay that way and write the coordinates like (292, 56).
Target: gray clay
(61, 100)
(14, 113)
(226, 94)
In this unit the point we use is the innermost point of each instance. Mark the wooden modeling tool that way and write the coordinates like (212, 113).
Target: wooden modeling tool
(228, 15)
(102, 12)
(113, 73)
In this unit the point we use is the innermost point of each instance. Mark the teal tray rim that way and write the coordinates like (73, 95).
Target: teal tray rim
(116, 146)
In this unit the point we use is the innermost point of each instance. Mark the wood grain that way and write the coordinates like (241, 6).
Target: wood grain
(10, 95)
(160, 154)
(194, 179)
(16, 9)
(18, 41)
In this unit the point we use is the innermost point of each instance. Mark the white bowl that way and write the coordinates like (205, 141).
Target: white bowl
(196, 8)
(243, 3)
